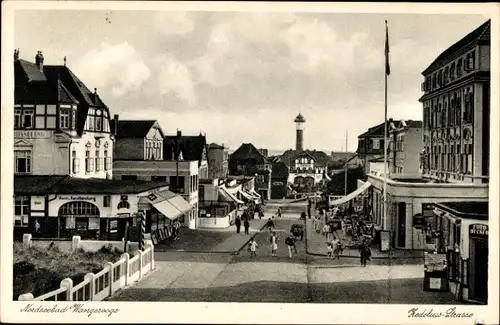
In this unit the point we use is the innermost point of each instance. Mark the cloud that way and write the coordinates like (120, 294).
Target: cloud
(119, 66)
(175, 78)
(174, 23)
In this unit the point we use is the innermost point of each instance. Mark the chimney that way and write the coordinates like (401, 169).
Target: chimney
(39, 60)
(16, 55)
(115, 122)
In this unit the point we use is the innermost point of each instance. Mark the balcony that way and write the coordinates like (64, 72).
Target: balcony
(453, 177)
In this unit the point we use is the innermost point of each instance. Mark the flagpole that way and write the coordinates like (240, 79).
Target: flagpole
(384, 220)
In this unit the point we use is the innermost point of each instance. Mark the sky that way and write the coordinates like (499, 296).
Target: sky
(243, 77)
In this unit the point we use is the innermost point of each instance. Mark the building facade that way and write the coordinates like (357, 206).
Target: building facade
(405, 143)
(189, 148)
(182, 177)
(371, 145)
(60, 126)
(279, 180)
(138, 140)
(247, 160)
(456, 110)
(218, 161)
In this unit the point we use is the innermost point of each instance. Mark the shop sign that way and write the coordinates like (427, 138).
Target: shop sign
(32, 134)
(478, 230)
(418, 221)
(77, 198)
(428, 209)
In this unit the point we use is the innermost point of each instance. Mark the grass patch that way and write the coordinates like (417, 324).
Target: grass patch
(40, 270)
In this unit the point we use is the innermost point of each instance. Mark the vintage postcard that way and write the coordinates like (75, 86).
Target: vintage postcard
(249, 162)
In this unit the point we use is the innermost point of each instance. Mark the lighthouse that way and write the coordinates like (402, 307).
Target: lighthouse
(299, 142)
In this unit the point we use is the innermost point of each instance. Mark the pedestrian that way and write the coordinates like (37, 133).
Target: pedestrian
(365, 253)
(329, 250)
(326, 229)
(274, 244)
(253, 247)
(336, 247)
(279, 212)
(238, 224)
(318, 225)
(290, 243)
(270, 225)
(314, 222)
(309, 212)
(177, 226)
(246, 224)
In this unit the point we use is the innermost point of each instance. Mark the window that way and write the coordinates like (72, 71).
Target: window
(76, 162)
(90, 123)
(107, 161)
(28, 115)
(159, 178)
(177, 184)
(17, 118)
(82, 224)
(123, 205)
(98, 120)
(98, 161)
(452, 71)
(21, 211)
(459, 67)
(79, 208)
(376, 144)
(22, 161)
(106, 201)
(446, 75)
(89, 162)
(260, 179)
(64, 119)
(129, 177)
(73, 119)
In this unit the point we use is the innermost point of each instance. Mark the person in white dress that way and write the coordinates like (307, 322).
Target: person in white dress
(253, 248)
(274, 244)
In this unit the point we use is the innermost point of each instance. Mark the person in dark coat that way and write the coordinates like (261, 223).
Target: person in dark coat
(246, 224)
(238, 224)
(365, 253)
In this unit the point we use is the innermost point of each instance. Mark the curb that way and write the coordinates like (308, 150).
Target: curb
(349, 256)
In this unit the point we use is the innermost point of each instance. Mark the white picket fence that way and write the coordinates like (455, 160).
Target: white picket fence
(97, 287)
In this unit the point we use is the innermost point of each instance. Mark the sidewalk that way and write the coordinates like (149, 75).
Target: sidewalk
(316, 245)
(212, 240)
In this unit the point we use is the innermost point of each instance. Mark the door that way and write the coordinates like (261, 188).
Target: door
(480, 260)
(401, 224)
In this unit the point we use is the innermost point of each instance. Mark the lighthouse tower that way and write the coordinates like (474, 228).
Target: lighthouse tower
(299, 142)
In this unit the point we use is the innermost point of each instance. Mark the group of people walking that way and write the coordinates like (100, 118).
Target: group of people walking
(273, 239)
(246, 225)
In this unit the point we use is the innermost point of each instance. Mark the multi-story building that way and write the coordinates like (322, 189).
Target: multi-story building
(145, 164)
(138, 140)
(60, 126)
(456, 111)
(218, 206)
(455, 148)
(371, 145)
(279, 180)
(405, 145)
(187, 148)
(247, 160)
(218, 160)
(63, 151)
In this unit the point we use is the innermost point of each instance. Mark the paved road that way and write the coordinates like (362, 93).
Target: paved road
(215, 277)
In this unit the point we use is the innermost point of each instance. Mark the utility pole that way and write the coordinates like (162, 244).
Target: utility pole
(346, 141)
(177, 149)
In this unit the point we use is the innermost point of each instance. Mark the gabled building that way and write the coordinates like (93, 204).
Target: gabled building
(307, 168)
(371, 145)
(188, 148)
(60, 126)
(247, 160)
(138, 140)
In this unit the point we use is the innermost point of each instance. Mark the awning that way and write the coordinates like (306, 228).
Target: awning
(257, 195)
(168, 209)
(181, 204)
(351, 195)
(249, 197)
(228, 196)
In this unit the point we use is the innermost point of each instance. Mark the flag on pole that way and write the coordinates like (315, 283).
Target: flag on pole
(387, 66)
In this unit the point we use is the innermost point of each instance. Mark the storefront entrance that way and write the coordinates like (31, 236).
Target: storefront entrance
(479, 269)
(79, 218)
(401, 237)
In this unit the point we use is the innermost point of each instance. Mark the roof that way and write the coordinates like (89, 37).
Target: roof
(342, 155)
(215, 146)
(134, 128)
(31, 184)
(191, 147)
(64, 184)
(300, 118)
(320, 157)
(473, 209)
(56, 83)
(482, 33)
(280, 170)
(247, 151)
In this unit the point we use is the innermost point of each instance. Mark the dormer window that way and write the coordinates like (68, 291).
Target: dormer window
(64, 118)
(28, 115)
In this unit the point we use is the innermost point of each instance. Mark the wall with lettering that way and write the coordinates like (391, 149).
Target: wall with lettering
(477, 230)
(47, 156)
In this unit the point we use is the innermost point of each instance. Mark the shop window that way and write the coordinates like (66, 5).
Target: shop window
(76, 162)
(123, 205)
(22, 160)
(21, 211)
(78, 208)
(82, 224)
(17, 119)
(64, 119)
(106, 201)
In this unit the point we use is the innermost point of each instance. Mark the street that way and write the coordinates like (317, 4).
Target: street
(219, 277)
